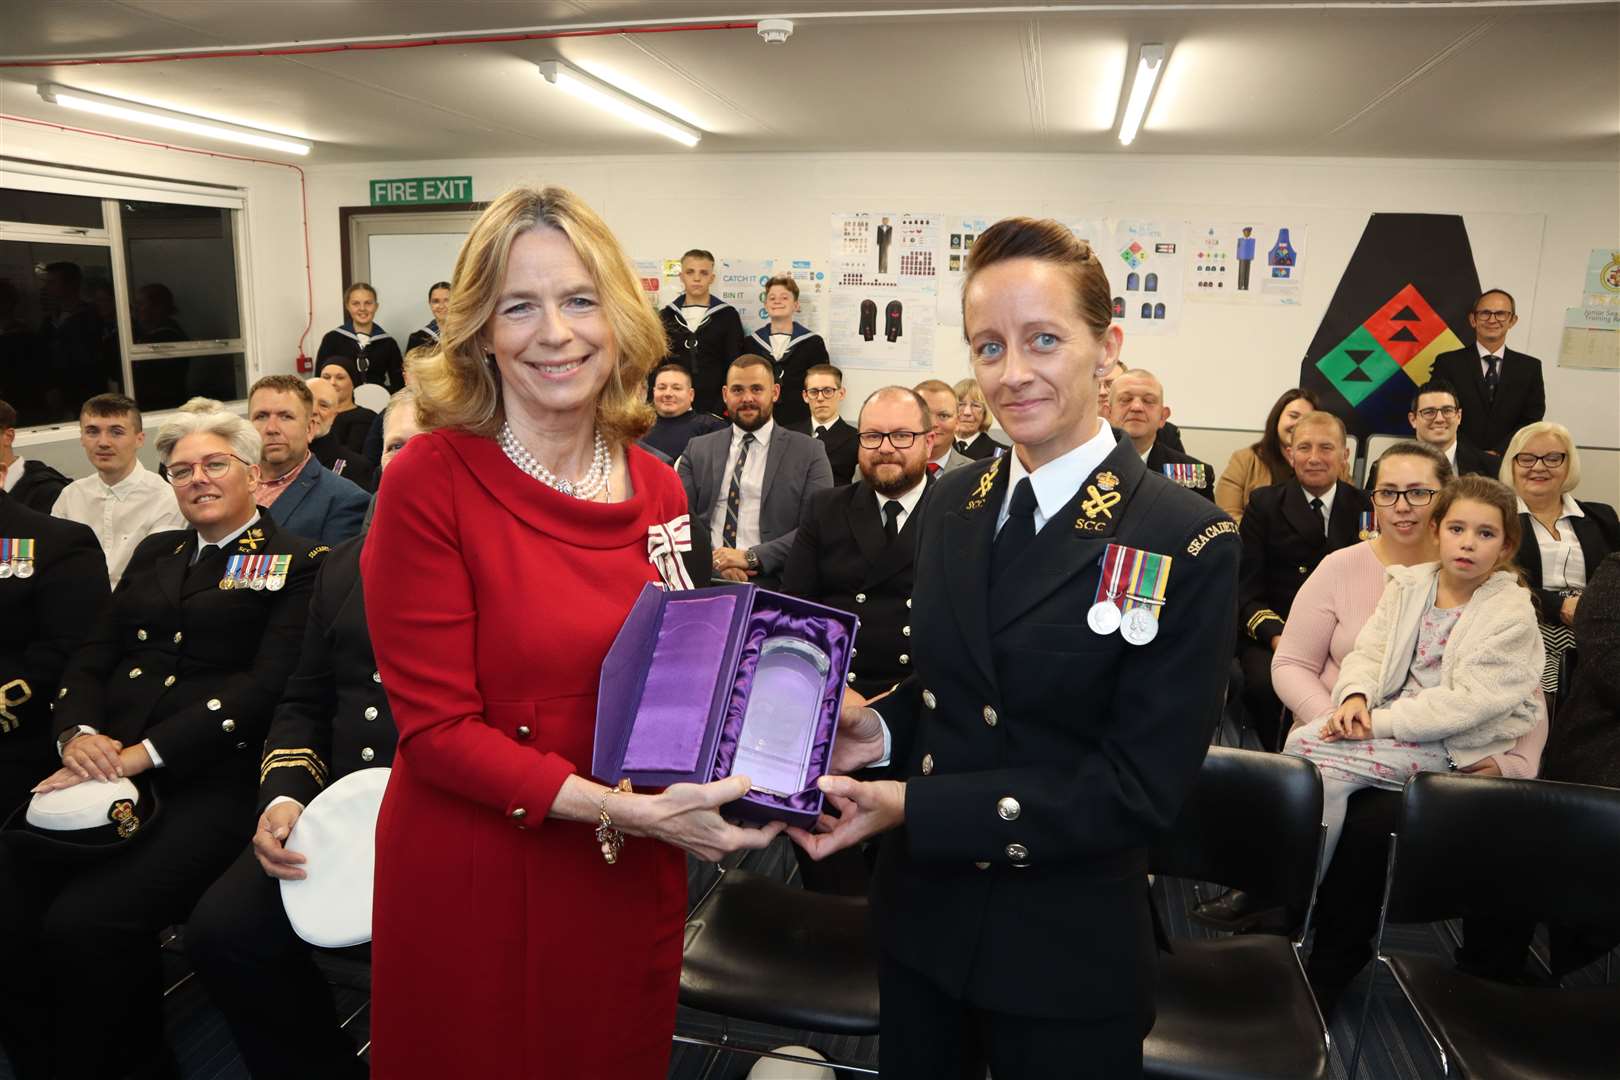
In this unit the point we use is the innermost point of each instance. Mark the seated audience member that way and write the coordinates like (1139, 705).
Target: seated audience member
(677, 421)
(793, 348)
(124, 502)
(439, 304)
(1500, 390)
(824, 393)
(1265, 461)
(1563, 537)
(1169, 435)
(371, 353)
(52, 584)
(333, 720)
(373, 448)
(1586, 749)
(350, 420)
(338, 459)
(1289, 528)
(1137, 408)
(973, 421)
(299, 492)
(942, 404)
(1435, 417)
(32, 483)
(173, 687)
(853, 550)
(749, 485)
(705, 333)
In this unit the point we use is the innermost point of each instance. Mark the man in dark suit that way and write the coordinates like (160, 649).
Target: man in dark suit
(1435, 417)
(301, 494)
(824, 393)
(49, 599)
(1288, 529)
(853, 550)
(750, 485)
(1137, 408)
(1169, 435)
(174, 684)
(333, 720)
(339, 459)
(1037, 755)
(678, 422)
(1499, 390)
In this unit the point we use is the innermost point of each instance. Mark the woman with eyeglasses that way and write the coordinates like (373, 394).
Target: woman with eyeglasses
(1564, 537)
(973, 438)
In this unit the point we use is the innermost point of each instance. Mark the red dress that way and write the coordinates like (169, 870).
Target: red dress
(503, 945)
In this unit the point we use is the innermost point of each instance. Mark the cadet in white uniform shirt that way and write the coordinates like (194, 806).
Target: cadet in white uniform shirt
(124, 502)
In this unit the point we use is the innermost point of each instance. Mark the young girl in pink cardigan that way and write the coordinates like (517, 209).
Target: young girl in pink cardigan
(1444, 673)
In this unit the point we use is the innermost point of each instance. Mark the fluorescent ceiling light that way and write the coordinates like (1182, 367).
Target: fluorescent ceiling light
(1148, 69)
(119, 109)
(621, 104)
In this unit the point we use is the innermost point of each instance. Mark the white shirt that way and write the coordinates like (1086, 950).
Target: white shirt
(779, 344)
(694, 314)
(1057, 481)
(1451, 456)
(231, 539)
(751, 487)
(1563, 565)
(908, 502)
(122, 515)
(1484, 364)
(14, 472)
(1327, 502)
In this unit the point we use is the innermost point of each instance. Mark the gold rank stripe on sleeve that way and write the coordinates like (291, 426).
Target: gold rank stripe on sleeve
(1261, 616)
(301, 757)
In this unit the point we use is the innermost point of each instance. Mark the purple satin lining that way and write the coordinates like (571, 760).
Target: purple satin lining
(773, 616)
(686, 661)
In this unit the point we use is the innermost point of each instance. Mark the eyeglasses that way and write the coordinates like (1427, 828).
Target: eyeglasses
(900, 440)
(1485, 315)
(214, 468)
(1414, 497)
(1447, 411)
(1528, 461)
(819, 392)
(976, 406)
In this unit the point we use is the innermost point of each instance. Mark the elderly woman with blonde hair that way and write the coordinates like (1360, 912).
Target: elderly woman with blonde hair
(973, 421)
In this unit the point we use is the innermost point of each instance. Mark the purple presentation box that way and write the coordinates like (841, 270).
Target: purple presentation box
(681, 679)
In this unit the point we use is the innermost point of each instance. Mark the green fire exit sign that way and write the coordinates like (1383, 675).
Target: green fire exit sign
(421, 191)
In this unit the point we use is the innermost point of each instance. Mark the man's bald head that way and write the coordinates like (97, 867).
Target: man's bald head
(1136, 406)
(325, 406)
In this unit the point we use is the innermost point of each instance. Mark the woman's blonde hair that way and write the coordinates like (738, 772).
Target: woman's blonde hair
(968, 390)
(458, 386)
(1572, 479)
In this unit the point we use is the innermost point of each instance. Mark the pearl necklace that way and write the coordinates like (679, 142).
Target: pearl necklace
(588, 487)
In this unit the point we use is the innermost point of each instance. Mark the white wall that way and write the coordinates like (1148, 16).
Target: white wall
(1225, 364)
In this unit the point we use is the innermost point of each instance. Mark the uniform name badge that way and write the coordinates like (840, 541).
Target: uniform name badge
(280, 566)
(1130, 591)
(1368, 527)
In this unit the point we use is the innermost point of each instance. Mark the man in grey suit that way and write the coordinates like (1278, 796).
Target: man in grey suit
(301, 494)
(750, 484)
(942, 404)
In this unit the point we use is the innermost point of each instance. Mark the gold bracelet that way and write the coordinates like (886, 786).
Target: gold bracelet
(611, 839)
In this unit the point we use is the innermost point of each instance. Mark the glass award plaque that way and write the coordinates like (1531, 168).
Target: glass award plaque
(784, 709)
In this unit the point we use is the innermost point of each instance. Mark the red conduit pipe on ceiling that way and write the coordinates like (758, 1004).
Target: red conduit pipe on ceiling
(380, 46)
(303, 196)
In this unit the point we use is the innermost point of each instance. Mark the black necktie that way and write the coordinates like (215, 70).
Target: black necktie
(1316, 508)
(891, 519)
(961, 447)
(821, 430)
(1018, 532)
(1493, 374)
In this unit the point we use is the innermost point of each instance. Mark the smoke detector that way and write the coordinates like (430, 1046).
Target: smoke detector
(775, 31)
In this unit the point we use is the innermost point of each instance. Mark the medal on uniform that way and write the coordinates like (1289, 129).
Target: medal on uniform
(1369, 526)
(5, 557)
(1144, 595)
(1187, 475)
(279, 565)
(1103, 618)
(229, 580)
(256, 572)
(23, 561)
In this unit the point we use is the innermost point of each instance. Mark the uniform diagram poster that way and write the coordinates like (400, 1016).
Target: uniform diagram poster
(1592, 331)
(885, 287)
(1144, 261)
(1246, 262)
(957, 238)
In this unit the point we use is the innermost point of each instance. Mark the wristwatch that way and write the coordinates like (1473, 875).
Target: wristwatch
(753, 560)
(69, 735)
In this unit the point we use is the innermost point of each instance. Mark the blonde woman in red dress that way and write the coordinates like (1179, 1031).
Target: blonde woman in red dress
(509, 543)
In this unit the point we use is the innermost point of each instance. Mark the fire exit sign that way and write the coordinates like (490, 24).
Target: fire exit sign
(421, 191)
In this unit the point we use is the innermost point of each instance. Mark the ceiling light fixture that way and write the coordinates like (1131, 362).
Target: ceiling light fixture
(1148, 69)
(119, 109)
(611, 99)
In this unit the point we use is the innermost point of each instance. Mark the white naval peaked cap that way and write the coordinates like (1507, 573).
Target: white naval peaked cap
(775, 1069)
(85, 805)
(336, 833)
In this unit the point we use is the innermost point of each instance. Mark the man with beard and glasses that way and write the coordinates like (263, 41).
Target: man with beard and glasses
(750, 483)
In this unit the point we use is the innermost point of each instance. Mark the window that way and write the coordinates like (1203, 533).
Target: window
(129, 291)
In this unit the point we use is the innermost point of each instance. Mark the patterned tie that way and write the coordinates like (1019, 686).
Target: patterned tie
(891, 519)
(1493, 375)
(1017, 533)
(728, 532)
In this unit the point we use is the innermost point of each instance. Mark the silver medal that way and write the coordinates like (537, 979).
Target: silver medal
(1103, 618)
(25, 568)
(1139, 626)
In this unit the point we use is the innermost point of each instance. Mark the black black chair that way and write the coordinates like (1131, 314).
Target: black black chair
(762, 951)
(1240, 1007)
(1527, 849)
